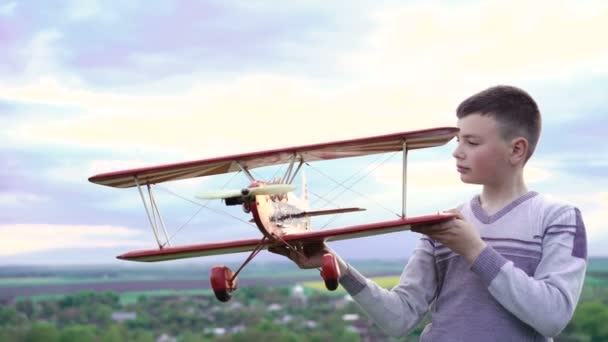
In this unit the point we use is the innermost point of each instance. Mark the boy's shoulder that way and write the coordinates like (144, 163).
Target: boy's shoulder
(552, 207)
(542, 209)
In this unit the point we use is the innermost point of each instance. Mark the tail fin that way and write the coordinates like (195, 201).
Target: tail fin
(304, 189)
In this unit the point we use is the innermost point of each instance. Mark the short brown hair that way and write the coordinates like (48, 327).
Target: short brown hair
(514, 110)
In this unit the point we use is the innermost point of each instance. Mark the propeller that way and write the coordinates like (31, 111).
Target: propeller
(269, 189)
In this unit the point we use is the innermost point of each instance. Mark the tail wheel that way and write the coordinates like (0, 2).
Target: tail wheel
(330, 271)
(221, 283)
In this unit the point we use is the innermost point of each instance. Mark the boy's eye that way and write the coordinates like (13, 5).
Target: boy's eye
(472, 143)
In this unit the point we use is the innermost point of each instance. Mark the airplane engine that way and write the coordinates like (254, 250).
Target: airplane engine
(222, 283)
(234, 200)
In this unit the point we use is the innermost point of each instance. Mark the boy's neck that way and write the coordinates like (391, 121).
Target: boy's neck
(494, 197)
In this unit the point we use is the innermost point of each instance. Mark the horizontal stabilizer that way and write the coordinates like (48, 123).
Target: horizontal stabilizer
(331, 211)
(314, 213)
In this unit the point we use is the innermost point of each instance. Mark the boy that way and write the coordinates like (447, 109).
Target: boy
(510, 267)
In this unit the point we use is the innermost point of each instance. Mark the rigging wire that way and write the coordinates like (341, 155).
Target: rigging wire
(345, 188)
(353, 183)
(343, 184)
(339, 184)
(201, 206)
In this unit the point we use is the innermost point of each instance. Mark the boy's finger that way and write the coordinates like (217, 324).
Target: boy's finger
(455, 211)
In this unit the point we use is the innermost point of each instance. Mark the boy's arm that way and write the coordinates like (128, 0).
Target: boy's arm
(546, 300)
(397, 310)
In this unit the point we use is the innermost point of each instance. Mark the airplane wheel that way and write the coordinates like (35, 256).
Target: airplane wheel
(221, 284)
(222, 295)
(330, 271)
(331, 284)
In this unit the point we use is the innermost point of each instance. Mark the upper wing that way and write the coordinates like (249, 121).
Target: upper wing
(332, 150)
(191, 251)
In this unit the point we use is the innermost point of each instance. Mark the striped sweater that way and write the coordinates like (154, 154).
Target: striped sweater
(524, 286)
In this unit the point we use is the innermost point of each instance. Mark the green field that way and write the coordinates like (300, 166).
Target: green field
(131, 297)
(386, 282)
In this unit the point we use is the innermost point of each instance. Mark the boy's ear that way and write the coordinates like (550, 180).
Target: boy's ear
(519, 150)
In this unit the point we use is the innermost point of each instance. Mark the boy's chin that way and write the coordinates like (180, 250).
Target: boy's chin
(467, 179)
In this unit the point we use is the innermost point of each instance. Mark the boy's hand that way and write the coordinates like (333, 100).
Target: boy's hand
(457, 234)
(308, 256)
(305, 257)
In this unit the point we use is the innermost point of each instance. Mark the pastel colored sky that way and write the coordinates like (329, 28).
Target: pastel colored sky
(96, 86)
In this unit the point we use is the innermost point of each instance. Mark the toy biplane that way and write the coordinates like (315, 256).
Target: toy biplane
(280, 222)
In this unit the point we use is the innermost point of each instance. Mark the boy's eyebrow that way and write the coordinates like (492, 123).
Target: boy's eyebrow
(465, 136)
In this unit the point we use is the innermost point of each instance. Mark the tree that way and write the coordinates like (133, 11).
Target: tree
(77, 333)
(192, 337)
(114, 333)
(42, 332)
(140, 335)
(27, 307)
(590, 318)
(11, 317)
(12, 334)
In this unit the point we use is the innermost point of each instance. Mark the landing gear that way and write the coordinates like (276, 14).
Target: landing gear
(222, 283)
(330, 271)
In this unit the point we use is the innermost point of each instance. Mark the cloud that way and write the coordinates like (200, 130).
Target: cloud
(24, 238)
(42, 54)
(481, 41)
(438, 175)
(594, 208)
(413, 54)
(83, 9)
(73, 172)
(8, 9)
(257, 111)
(20, 198)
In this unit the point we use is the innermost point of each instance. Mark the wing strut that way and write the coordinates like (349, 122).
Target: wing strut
(296, 172)
(246, 171)
(153, 213)
(287, 174)
(404, 182)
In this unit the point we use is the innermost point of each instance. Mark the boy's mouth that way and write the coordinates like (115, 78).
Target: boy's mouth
(461, 169)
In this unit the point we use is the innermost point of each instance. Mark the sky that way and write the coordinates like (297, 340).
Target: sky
(93, 86)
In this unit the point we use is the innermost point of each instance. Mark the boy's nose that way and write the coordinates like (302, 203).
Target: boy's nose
(457, 153)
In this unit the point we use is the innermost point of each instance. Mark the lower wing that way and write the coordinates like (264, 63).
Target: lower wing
(237, 246)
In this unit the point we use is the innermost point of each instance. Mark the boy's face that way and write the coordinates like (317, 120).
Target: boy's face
(482, 155)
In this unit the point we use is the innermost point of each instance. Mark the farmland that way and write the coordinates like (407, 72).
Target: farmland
(274, 301)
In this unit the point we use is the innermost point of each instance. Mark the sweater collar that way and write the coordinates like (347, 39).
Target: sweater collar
(482, 216)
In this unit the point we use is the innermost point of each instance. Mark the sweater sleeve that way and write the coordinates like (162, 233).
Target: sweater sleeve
(397, 310)
(547, 299)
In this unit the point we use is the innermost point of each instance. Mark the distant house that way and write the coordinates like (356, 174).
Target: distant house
(298, 297)
(123, 316)
(310, 324)
(342, 302)
(166, 338)
(350, 317)
(284, 320)
(238, 329)
(234, 305)
(274, 307)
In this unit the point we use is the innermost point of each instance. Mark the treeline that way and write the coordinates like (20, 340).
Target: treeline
(254, 314)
